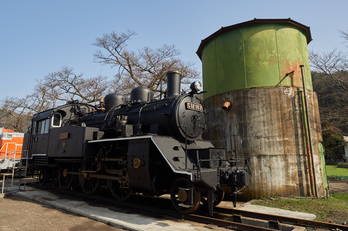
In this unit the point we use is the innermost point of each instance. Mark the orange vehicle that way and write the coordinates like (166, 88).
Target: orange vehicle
(10, 148)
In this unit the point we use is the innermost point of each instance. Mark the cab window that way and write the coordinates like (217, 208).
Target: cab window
(43, 126)
(56, 120)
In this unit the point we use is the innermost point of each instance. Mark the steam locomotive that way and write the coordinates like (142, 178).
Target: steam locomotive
(142, 145)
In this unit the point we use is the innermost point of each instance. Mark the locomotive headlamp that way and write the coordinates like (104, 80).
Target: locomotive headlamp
(196, 86)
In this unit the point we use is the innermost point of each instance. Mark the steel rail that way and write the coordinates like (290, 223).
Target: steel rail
(281, 219)
(224, 223)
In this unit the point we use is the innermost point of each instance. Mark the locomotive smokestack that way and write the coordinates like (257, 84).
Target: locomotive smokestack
(173, 83)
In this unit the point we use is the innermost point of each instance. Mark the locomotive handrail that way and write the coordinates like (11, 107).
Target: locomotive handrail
(6, 146)
(9, 155)
(12, 153)
(15, 166)
(199, 172)
(229, 161)
(139, 115)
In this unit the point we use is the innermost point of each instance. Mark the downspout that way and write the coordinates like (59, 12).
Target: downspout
(308, 139)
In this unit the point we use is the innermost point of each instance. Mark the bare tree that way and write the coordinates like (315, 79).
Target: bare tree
(146, 67)
(54, 89)
(65, 85)
(14, 115)
(344, 35)
(333, 64)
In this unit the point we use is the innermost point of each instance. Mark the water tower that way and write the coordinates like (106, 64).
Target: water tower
(258, 109)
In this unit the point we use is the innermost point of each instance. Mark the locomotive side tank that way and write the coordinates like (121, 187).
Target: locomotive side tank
(146, 146)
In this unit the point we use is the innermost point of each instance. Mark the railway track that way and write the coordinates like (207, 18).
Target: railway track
(276, 221)
(237, 219)
(233, 219)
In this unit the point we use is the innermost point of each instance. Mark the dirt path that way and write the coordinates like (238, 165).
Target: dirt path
(338, 186)
(18, 213)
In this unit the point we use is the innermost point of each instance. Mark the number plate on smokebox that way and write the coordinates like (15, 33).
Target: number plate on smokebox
(194, 106)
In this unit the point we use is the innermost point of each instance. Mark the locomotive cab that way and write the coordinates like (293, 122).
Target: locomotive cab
(41, 124)
(38, 142)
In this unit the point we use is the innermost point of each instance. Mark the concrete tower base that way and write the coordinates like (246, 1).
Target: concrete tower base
(266, 126)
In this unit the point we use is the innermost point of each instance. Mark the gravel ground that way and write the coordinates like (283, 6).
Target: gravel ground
(338, 186)
(18, 213)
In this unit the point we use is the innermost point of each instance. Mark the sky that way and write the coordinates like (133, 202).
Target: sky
(38, 37)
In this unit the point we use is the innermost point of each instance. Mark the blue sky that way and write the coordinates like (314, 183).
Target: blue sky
(41, 36)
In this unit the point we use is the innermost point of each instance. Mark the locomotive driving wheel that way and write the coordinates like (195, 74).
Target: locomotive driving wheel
(66, 180)
(120, 189)
(43, 177)
(185, 197)
(90, 185)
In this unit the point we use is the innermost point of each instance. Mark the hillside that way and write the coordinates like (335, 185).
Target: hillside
(333, 108)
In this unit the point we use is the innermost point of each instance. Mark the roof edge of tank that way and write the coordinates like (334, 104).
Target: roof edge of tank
(251, 22)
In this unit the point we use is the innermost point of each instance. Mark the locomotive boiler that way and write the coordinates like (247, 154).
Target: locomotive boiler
(140, 145)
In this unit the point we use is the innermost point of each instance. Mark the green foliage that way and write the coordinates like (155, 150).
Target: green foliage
(333, 170)
(334, 145)
(333, 108)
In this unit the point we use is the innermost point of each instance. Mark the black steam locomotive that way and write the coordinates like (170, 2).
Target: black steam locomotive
(142, 145)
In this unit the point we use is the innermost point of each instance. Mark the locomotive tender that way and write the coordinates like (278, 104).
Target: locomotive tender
(142, 145)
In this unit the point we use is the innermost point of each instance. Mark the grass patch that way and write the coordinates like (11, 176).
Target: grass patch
(334, 209)
(333, 170)
(335, 173)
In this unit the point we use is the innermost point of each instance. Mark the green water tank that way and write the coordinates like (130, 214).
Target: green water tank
(256, 53)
